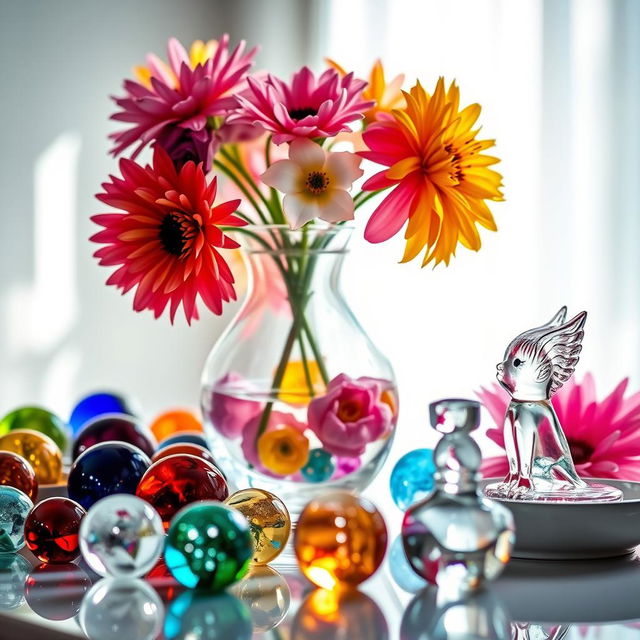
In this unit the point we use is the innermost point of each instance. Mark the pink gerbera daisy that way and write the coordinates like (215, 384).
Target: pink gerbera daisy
(306, 107)
(167, 241)
(181, 94)
(604, 436)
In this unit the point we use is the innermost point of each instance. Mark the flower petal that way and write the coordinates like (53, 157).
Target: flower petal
(343, 168)
(338, 207)
(299, 210)
(306, 153)
(284, 175)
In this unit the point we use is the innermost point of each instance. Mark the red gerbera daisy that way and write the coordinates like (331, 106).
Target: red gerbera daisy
(166, 242)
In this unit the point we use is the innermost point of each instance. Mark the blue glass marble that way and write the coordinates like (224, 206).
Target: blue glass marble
(412, 477)
(319, 467)
(186, 436)
(105, 469)
(97, 404)
(14, 570)
(401, 571)
(14, 509)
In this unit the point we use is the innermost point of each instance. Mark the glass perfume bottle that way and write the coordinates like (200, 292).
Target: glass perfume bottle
(455, 538)
(536, 364)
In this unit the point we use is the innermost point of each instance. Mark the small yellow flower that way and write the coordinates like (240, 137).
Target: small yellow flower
(284, 450)
(294, 388)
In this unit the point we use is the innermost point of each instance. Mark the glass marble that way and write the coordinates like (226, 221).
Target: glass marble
(319, 467)
(121, 608)
(402, 573)
(209, 545)
(176, 481)
(199, 616)
(175, 421)
(268, 520)
(14, 570)
(162, 580)
(185, 447)
(14, 509)
(185, 436)
(412, 478)
(122, 536)
(56, 591)
(40, 451)
(51, 530)
(105, 469)
(98, 404)
(340, 540)
(116, 427)
(16, 472)
(37, 419)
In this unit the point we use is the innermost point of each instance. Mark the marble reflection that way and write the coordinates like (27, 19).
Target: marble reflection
(14, 570)
(531, 631)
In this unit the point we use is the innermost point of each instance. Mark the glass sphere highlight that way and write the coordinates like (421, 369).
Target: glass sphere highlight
(56, 591)
(176, 481)
(412, 478)
(105, 469)
(40, 451)
(209, 546)
(16, 472)
(37, 419)
(113, 427)
(268, 520)
(98, 404)
(122, 536)
(340, 539)
(51, 530)
(175, 421)
(14, 509)
(185, 447)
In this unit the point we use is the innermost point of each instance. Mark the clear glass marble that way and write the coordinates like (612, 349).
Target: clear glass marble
(536, 364)
(14, 570)
(455, 537)
(121, 536)
(14, 509)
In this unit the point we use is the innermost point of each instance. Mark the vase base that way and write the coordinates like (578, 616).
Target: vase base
(591, 492)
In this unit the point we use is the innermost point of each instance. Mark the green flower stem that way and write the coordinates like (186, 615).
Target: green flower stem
(234, 178)
(360, 198)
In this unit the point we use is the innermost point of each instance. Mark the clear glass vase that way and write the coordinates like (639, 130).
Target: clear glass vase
(296, 397)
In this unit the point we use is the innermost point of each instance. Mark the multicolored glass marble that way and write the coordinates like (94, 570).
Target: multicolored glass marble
(209, 545)
(37, 419)
(201, 616)
(40, 451)
(176, 481)
(51, 530)
(185, 436)
(185, 447)
(320, 466)
(175, 421)
(14, 570)
(116, 427)
(14, 509)
(121, 608)
(56, 591)
(405, 577)
(16, 472)
(412, 478)
(268, 520)
(122, 536)
(105, 469)
(340, 539)
(98, 404)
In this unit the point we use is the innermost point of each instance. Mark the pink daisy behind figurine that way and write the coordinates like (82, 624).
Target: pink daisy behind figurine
(604, 436)
(306, 107)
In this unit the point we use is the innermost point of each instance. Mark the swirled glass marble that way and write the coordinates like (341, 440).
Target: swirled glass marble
(340, 539)
(51, 530)
(37, 419)
(99, 404)
(175, 421)
(56, 591)
(412, 478)
(40, 451)
(16, 472)
(14, 509)
(268, 520)
(208, 546)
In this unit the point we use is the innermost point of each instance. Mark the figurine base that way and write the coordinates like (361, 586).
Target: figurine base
(592, 492)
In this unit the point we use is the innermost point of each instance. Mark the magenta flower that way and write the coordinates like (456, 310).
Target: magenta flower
(306, 107)
(230, 414)
(350, 415)
(604, 436)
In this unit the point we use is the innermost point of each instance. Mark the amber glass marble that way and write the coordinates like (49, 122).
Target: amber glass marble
(171, 422)
(268, 519)
(40, 451)
(340, 540)
(16, 472)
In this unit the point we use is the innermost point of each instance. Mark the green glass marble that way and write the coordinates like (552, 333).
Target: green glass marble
(209, 546)
(36, 419)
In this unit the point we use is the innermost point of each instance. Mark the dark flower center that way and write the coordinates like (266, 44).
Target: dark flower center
(285, 448)
(349, 411)
(171, 235)
(303, 112)
(317, 182)
(581, 451)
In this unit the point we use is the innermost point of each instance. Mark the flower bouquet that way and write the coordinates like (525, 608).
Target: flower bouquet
(294, 390)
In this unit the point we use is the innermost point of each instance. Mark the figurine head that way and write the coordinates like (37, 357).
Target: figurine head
(539, 361)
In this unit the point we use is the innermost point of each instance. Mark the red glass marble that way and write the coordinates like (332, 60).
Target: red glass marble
(114, 426)
(176, 481)
(16, 472)
(184, 447)
(51, 530)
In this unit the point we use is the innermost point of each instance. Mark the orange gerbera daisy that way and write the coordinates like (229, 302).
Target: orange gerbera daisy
(440, 176)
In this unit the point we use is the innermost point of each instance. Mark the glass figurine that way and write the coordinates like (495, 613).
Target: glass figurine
(455, 536)
(536, 364)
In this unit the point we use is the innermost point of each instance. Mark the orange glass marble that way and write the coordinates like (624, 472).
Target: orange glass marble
(16, 472)
(340, 540)
(171, 422)
(40, 451)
